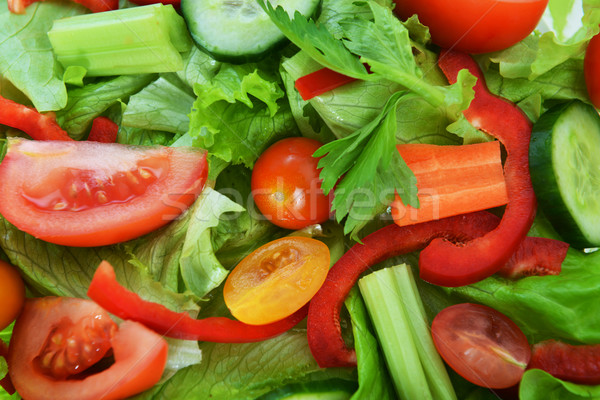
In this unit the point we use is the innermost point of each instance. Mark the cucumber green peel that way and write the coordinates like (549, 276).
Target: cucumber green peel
(565, 171)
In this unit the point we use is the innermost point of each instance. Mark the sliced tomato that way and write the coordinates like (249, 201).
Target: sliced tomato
(276, 280)
(92, 194)
(481, 344)
(12, 294)
(56, 341)
(19, 6)
(579, 364)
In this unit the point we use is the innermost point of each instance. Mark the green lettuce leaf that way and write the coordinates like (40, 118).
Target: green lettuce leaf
(198, 67)
(26, 57)
(539, 385)
(163, 105)
(90, 101)
(561, 307)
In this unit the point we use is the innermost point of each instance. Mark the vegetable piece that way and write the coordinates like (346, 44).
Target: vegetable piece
(442, 262)
(19, 6)
(479, 26)
(5, 382)
(103, 130)
(238, 32)
(276, 280)
(481, 344)
(399, 317)
(579, 364)
(331, 389)
(591, 70)
(536, 257)
(92, 194)
(565, 170)
(12, 294)
(106, 291)
(320, 81)
(133, 40)
(174, 3)
(38, 348)
(286, 186)
(324, 331)
(452, 180)
(38, 126)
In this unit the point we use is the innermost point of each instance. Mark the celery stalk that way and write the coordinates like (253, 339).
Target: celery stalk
(393, 329)
(435, 370)
(134, 40)
(393, 301)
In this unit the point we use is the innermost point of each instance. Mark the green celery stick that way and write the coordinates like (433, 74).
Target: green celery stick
(134, 40)
(392, 325)
(435, 371)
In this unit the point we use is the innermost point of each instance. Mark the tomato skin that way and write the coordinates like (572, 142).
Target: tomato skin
(12, 294)
(591, 70)
(481, 344)
(276, 280)
(92, 194)
(140, 354)
(475, 26)
(286, 186)
(579, 364)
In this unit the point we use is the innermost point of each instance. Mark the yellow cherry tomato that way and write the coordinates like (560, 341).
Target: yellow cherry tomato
(12, 294)
(276, 279)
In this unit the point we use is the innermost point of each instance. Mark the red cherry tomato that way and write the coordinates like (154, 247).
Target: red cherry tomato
(92, 194)
(475, 26)
(56, 340)
(591, 69)
(286, 186)
(481, 344)
(12, 294)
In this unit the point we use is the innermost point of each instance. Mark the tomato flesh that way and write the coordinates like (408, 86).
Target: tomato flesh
(276, 280)
(481, 344)
(55, 339)
(475, 26)
(93, 194)
(12, 294)
(286, 186)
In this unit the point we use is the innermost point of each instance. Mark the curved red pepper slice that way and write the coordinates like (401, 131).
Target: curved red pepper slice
(38, 126)
(324, 331)
(321, 81)
(445, 264)
(114, 298)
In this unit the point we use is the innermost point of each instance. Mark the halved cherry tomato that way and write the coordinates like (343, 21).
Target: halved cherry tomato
(276, 279)
(12, 294)
(475, 26)
(56, 340)
(286, 186)
(92, 194)
(591, 69)
(481, 344)
(579, 364)
(19, 6)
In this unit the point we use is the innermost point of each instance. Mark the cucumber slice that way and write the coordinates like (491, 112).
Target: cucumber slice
(238, 31)
(565, 171)
(332, 389)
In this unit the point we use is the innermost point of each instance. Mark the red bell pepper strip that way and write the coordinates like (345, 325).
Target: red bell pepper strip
(324, 331)
(543, 257)
(572, 363)
(445, 264)
(19, 6)
(319, 82)
(114, 298)
(6, 383)
(38, 126)
(103, 130)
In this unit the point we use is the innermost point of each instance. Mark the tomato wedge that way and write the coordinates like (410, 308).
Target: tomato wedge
(93, 194)
(57, 339)
(481, 344)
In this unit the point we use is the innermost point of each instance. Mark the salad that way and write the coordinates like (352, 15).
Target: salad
(359, 96)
